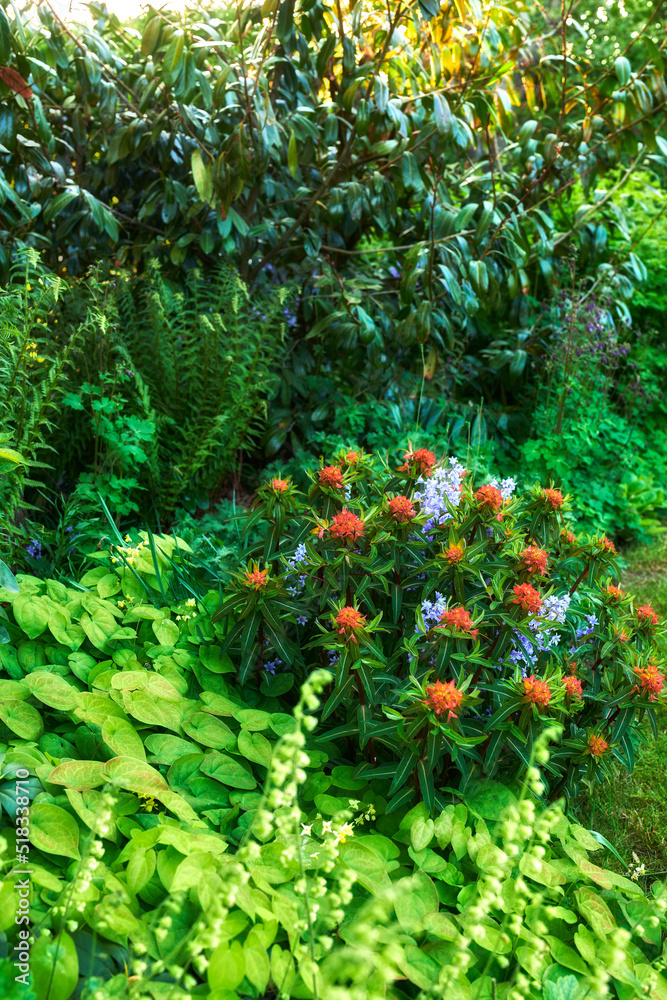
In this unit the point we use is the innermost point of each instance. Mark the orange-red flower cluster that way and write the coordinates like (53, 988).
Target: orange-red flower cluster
(534, 560)
(256, 579)
(401, 509)
(527, 598)
(279, 485)
(454, 554)
(553, 497)
(572, 686)
(489, 497)
(597, 746)
(459, 619)
(646, 615)
(606, 545)
(346, 525)
(349, 620)
(536, 691)
(652, 681)
(423, 459)
(350, 458)
(613, 593)
(568, 536)
(444, 698)
(331, 476)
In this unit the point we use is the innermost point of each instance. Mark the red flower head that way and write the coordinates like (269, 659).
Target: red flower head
(536, 692)
(554, 498)
(459, 619)
(349, 620)
(331, 476)
(597, 746)
(346, 525)
(423, 459)
(534, 560)
(279, 485)
(646, 616)
(568, 537)
(350, 458)
(489, 497)
(444, 698)
(401, 509)
(454, 554)
(572, 686)
(256, 579)
(612, 593)
(652, 681)
(527, 598)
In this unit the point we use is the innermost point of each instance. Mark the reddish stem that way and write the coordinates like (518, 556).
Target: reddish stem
(579, 579)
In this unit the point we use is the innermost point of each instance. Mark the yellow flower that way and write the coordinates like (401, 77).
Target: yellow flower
(346, 830)
(114, 200)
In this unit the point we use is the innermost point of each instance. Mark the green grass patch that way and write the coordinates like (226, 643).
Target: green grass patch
(630, 810)
(645, 574)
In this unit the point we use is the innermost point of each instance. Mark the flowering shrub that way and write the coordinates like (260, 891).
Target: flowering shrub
(455, 620)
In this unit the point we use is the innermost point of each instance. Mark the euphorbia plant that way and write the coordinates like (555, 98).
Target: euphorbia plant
(456, 619)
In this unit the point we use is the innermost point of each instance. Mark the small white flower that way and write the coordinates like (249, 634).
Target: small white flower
(326, 826)
(306, 830)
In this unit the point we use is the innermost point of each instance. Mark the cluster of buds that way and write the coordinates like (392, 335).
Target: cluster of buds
(349, 622)
(128, 552)
(418, 463)
(458, 620)
(651, 680)
(444, 698)
(534, 560)
(536, 691)
(528, 599)
(597, 746)
(256, 578)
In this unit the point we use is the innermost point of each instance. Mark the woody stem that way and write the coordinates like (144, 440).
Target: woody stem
(579, 579)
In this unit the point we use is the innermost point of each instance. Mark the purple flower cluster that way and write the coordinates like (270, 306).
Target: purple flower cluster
(584, 630)
(554, 609)
(34, 549)
(431, 612)
(295, 563)
(441, 489)
(506, 487)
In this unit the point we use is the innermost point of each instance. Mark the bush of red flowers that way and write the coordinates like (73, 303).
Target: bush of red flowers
(456, 620)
